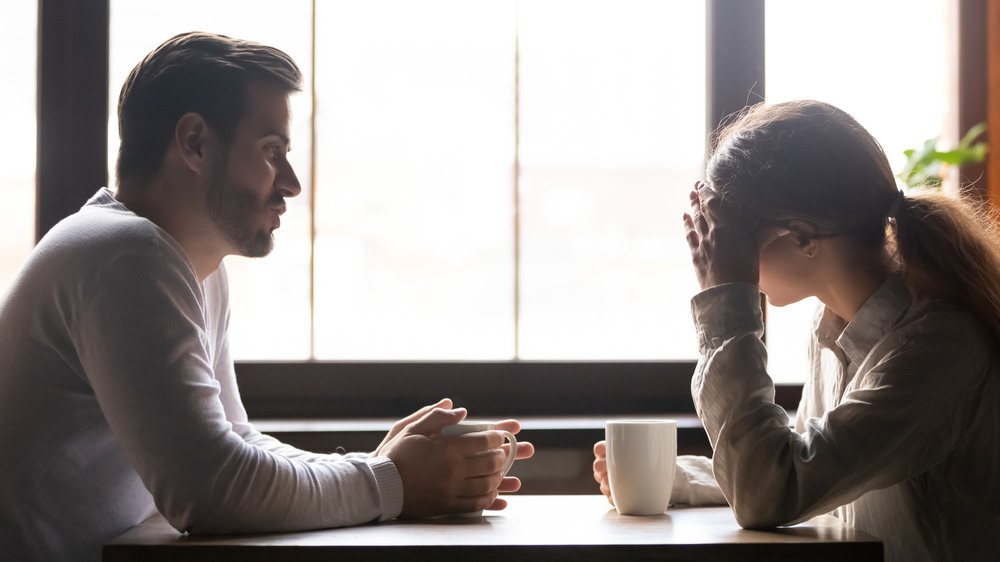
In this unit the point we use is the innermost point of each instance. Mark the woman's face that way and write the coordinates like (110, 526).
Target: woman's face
(786, 271)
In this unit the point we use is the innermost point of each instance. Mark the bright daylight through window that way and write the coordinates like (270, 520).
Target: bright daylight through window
(901, 99)
(500, 180)
(18, 28)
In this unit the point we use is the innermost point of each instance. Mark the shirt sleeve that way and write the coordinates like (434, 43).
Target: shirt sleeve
(694, 483)
(888, 427)
(146, 348)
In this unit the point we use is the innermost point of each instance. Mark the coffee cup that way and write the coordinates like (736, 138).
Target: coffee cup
(641, 460)
(473, 426)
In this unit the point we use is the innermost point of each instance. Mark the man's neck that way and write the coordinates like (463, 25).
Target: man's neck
(181, 212)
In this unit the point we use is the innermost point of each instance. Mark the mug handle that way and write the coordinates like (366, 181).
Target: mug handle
(512, 454)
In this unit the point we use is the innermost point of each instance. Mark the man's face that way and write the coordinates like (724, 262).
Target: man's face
(247, 194)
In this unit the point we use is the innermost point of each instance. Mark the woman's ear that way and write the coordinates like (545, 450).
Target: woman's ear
(806, 244)
(809, 246)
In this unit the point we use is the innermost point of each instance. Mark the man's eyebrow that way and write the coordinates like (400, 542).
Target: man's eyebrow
(278, 134)
(284, 138)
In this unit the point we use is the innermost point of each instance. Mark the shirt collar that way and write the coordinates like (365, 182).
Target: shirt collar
(876, 317)
(828, 328)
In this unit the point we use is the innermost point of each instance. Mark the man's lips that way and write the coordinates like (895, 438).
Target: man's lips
(278, 211)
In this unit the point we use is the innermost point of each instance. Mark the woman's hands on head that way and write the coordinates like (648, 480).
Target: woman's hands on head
(723, 250)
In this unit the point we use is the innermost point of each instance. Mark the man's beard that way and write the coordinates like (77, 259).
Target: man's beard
(234, 210)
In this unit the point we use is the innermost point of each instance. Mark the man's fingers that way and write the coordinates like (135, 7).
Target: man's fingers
(525, 450)
(512, 426)
(509, 484)
(473, 503)
(471, 443)
(479, 486)
(432, 422)
(485, 463)
(498, 504)
(600, 449)
(444, 404)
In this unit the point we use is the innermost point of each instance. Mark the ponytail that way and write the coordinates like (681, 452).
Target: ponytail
(949, 248)
(810, 160)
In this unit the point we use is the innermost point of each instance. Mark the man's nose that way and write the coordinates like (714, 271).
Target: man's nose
(287, 182)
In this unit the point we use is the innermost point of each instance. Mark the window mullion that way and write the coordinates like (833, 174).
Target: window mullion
(734, 57)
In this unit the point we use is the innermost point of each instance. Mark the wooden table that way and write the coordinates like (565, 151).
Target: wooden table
(531, 528)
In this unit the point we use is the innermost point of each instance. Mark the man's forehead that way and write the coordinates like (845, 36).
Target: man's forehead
(269, 111)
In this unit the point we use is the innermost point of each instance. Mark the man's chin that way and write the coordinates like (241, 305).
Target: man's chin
(259, 247)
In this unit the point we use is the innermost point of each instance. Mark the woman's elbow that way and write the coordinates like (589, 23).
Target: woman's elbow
(761, 512)
(756, 519)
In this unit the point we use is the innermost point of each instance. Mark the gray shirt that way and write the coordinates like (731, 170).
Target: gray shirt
(118, 393)
(898, 429)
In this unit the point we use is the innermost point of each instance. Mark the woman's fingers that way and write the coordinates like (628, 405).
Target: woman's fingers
(690, 234)
(700, 218)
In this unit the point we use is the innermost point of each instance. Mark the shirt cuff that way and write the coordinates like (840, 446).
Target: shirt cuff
(390, 487)
(725, 310)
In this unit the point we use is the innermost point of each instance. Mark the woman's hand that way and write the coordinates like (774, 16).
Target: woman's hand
(601, 469)
(722, 249)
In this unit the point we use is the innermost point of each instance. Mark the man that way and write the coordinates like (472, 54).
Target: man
(117, 391)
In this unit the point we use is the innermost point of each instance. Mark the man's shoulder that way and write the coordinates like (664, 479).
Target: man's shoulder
(102, 234)
(97, 245)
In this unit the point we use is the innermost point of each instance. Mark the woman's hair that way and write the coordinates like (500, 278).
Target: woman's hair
(193, 72)
(809, 160)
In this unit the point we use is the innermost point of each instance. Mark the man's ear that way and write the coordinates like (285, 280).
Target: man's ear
(193, 138)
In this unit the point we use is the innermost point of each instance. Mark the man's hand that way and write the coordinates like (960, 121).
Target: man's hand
(601, 469)
(449, 474)
(524, 450)
(444, 404)
(722, 250)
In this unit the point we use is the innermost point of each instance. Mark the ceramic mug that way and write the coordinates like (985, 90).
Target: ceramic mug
(641, 458)
(471, 427)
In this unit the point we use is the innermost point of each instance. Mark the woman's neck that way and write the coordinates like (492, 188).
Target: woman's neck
(850, 283)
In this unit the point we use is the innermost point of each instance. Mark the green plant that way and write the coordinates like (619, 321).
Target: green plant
(926, 166)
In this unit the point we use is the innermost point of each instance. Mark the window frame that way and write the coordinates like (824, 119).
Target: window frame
(73, 87)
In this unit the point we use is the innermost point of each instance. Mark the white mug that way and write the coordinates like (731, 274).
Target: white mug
(470, 427)
(642, 458)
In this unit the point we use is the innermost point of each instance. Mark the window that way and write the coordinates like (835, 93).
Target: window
(517, 196)
(17, 111)
(591, 239)
(856, 60)
(270, 297)
(493, 180)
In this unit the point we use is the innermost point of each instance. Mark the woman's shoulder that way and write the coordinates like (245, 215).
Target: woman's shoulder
(943, 326)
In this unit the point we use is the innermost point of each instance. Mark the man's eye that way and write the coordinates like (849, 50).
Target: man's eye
(273, 151)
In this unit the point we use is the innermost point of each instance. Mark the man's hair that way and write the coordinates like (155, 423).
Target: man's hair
(193, 72)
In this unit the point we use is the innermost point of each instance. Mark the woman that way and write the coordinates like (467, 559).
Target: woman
(899, 425)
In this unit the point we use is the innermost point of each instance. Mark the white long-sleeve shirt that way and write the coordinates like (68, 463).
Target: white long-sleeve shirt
(117, 392)
(898, 429)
